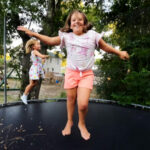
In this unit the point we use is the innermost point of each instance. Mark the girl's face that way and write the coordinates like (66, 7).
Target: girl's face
(77, 23)
(37, 46)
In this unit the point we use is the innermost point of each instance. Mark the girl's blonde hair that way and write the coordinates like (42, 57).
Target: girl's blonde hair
(29, 45)
(87, 25)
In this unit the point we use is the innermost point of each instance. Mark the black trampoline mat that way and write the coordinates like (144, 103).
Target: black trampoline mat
(38, 127)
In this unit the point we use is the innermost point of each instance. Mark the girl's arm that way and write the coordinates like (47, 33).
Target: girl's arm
(45, 39)
(104, 46)
(37, 53)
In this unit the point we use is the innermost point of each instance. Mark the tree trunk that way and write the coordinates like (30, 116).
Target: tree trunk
(36, 90)
(25, 67)
(48, 29)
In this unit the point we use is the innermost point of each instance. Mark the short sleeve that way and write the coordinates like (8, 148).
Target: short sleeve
(62, 42)
(98, 36)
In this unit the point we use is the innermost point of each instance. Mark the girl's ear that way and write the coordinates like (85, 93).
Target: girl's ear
(32, 47)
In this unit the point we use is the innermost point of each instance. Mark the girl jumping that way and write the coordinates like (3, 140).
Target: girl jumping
(80, 41)
(36, 70)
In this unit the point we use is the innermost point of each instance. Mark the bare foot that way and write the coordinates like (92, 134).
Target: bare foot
(67, 129)
(84, 132)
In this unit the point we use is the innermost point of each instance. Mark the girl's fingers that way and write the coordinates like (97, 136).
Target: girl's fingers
(125, 55)
(21, 28)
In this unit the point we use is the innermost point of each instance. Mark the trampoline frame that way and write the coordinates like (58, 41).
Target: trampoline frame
(137, 106)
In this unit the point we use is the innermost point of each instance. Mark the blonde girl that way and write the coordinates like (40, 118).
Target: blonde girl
(36, 70)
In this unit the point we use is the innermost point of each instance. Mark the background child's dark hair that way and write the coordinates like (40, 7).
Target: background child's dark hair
(66, 27)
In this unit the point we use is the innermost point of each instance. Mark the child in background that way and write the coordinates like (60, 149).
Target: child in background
(80, 41)
(36, 70)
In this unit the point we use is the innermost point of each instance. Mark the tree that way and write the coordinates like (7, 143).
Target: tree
(132, 33)
(49, 14)
(20, 13)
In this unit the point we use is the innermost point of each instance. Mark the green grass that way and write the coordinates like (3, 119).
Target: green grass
(63, 95)
(11, 97)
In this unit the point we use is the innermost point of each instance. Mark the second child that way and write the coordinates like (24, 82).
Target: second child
(36, 70)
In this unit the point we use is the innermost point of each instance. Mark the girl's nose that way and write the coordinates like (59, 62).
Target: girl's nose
(77, 21)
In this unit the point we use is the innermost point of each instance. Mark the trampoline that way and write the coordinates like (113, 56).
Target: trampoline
(37, 126)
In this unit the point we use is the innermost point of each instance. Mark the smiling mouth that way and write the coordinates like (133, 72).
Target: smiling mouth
(77, 26)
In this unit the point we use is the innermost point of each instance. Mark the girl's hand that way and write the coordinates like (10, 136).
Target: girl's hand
(124, 55)
(21, 28)
(43, 60)
(47, 56)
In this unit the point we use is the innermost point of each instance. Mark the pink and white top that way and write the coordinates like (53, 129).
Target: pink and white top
(80, 49)
(36, 70)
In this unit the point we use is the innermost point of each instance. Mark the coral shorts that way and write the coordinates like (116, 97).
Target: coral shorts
(74, 78)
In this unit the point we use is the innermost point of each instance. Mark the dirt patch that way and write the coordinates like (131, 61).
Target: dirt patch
(47, 90)
(51, 91)
(57, 91)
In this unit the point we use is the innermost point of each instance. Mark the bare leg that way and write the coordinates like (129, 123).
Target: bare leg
(71, 101)
(30, 86)
(27, 90)
(83, 99)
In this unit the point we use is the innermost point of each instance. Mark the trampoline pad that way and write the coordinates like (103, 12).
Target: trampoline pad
(38, 126)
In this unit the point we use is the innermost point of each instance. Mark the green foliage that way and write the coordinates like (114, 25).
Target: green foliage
(63, 95)
(18, 13)
(16, 55)
(97, 62)
(1, 34)
(1, 62)
(137, 88)
(130, 85)
(112, 71)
